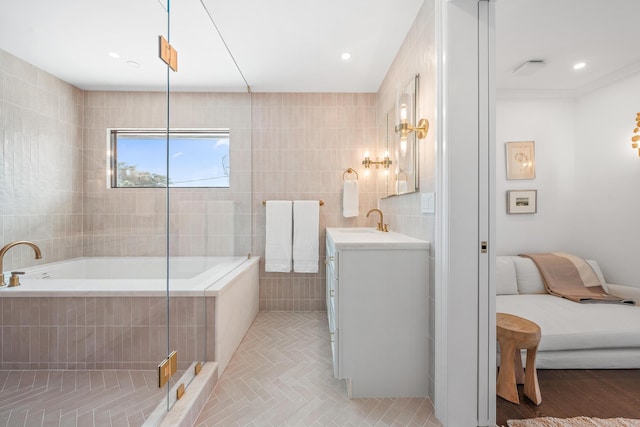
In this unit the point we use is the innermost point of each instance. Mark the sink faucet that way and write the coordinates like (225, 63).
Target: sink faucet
(12, 244)
(381, 225)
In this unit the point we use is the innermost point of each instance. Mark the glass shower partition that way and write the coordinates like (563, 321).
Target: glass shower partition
(208, 197)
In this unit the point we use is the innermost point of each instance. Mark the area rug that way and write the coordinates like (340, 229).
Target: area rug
(574, 422)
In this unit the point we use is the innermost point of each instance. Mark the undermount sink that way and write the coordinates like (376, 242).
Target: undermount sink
(367, 237)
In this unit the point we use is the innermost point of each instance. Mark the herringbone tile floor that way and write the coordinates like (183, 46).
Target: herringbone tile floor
(77, 398)
(282, 375)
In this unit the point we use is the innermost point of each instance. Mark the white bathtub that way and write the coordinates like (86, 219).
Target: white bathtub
(127, 276)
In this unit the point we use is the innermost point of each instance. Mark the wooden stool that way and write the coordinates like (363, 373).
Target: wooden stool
(515, 333)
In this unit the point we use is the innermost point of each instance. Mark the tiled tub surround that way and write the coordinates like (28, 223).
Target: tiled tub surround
(102, 332)
(132, 221)
(41, 120)
(74, 327)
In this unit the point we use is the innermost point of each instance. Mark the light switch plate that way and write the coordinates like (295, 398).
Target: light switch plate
(428, 203)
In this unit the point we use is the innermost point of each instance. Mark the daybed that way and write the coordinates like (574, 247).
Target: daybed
(574, 335)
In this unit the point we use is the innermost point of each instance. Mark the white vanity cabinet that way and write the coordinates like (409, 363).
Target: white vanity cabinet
(377, 307)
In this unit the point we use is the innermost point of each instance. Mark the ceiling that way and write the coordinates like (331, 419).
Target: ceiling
(295, 46)
(280, 45)
(603, 34)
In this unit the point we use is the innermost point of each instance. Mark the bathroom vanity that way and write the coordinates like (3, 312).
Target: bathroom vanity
(377, 307)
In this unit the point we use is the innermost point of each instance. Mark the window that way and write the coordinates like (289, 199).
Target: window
(197, 158)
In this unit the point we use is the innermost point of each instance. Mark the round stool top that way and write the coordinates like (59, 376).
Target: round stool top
(509, 324)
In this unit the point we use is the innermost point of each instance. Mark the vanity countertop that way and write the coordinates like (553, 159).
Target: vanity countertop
(370, 238)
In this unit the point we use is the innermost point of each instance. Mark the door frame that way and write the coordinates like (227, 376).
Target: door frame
(465, 169)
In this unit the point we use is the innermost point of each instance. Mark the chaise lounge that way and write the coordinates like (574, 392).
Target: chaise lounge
(574, 335)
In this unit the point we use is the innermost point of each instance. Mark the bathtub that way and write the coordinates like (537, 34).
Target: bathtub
(111, 312)
(127, 276)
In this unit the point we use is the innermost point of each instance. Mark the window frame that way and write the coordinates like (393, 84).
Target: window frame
(114, 133)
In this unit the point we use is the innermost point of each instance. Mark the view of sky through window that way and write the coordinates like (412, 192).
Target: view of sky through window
(200, 160)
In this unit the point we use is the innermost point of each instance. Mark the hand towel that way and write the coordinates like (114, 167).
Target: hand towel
(306, 220)
(350, 202)
(277, 252)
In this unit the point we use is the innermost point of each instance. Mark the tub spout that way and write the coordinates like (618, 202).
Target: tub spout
(8, 246)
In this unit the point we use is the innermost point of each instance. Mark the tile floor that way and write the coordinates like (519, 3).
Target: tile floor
(77, 398)
(282, 375)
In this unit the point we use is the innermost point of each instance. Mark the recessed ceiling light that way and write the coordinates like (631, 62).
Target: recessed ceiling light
(133, 64)
(579, 65)
(114, 55)
(345, 56)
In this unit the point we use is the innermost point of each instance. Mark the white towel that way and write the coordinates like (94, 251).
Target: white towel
(306, 220)
(277, 252)
(350, 202)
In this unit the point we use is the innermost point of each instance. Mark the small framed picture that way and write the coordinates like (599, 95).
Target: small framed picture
(521, 160)
(522, 201)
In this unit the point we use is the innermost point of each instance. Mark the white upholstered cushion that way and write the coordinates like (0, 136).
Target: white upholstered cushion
(568, 325)
(529, 280)
(506, 282)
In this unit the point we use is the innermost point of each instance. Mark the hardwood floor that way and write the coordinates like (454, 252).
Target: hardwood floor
(606, 393)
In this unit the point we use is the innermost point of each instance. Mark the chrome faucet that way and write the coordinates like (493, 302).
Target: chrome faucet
(381, 225)
(8, 246)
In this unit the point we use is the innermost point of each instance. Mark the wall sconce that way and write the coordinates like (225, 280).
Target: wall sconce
(406, 119)
(636, 138)
(385, 162)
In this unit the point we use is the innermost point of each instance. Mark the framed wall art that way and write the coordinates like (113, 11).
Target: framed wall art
(521, 160)
(522, 201)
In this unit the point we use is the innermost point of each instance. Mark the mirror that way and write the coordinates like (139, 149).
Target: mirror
(403, 149)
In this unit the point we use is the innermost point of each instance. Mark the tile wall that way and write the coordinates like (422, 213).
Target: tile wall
(203, 221)
(41, 121)
(302, 144)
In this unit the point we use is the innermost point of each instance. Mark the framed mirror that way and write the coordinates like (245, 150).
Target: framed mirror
(403, 149)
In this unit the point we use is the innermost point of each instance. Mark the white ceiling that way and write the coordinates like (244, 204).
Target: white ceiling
(280, 45)
(295, 46)
(602, 33)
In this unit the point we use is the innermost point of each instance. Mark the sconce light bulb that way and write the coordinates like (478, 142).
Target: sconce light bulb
(366, 154)
(403, 144)
(403, 113)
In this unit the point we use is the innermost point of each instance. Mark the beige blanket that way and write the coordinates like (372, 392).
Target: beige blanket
(571, 277)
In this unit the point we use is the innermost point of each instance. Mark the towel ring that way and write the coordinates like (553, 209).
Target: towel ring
(349, 171)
